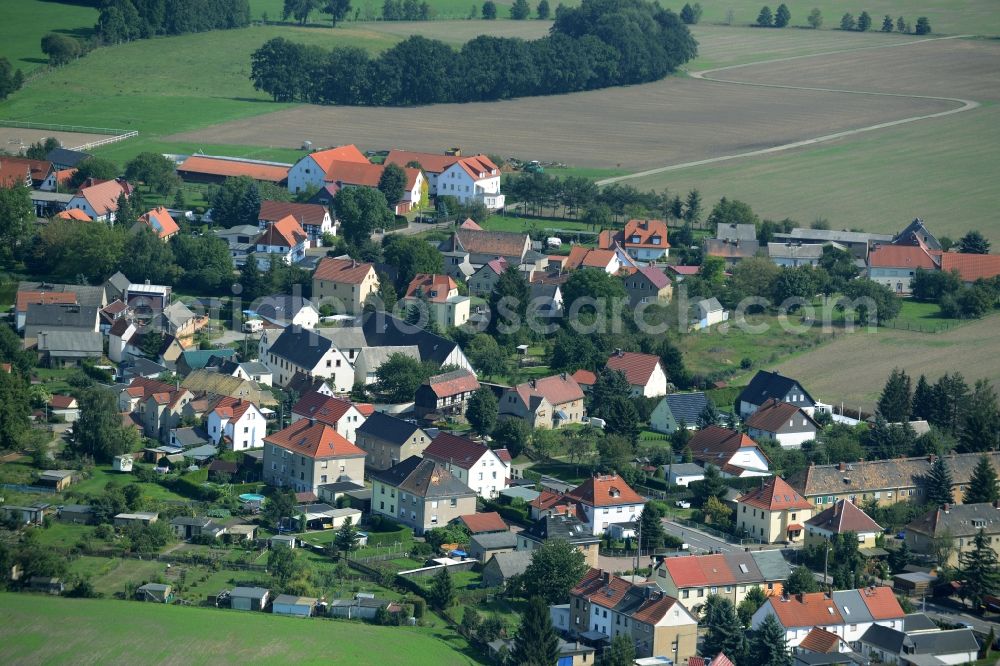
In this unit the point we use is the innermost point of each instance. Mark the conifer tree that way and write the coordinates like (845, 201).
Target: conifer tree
(983, 486)
(536, 643)
(768, 646)
(937, 484)
(896, 401)
(980, 573)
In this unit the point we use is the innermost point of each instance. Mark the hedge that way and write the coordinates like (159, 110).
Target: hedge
(400, 534)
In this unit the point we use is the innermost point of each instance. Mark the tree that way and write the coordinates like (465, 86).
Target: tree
(923, 399)
(347, 536)
(725, 631)
(155, 170)
(973, 242)
(980, 573)
(621, 652)
(99, 432)
(896, 402)
(801, 581)
(14, 409)
(871, 302)
(621, 418)
(950, 401)
(399, 377)
(923, 26)
(489, 10)
(441, 593)
(543, 10)
(901, 25)
(17, 219)
(482, 411)
(983, 485)
(847, 22)
(754, 599)
(591, 283)
(277, 507)
(709, 415)
(509, 300)
(815, 19)
(392, 183)
(731, 211)
(651, 526)
(299, 9)
(980, 423)
(536, 643)
(337, 9)
(864, 22)
(899, 558)
(688, 15)
(556, 567)
(97, 168)
(937, 484)
(520, 10)
(887, 23)
(511, 434)
(692, 207)
(411, 255)
(361, 210)
(716, 511)
(60, 48)
(768, 646)
(11, 81)
(839, 266)
(710, 486)
(765, 19)
(782, 16)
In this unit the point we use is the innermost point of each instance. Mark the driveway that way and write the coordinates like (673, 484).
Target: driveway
(701, 542)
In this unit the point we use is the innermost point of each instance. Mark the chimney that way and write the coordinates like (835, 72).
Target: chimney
(842, 467)
(531, 383)
(931, 457)
(947, 508)
(606, 577)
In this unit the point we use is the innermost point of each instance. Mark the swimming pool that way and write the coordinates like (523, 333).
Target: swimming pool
(252, 497)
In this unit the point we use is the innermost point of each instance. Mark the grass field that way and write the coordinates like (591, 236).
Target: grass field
(45, 630)
(25, 22)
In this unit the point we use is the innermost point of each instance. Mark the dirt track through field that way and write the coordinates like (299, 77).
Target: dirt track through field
(705, 75)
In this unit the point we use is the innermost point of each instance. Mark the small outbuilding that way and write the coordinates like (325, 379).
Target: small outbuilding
(287, 604)
(249, 598)
(156, 592)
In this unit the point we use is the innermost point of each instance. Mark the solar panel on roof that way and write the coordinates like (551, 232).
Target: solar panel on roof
(744, 569)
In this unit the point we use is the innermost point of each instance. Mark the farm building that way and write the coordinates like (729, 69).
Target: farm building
(287, 604)
(248, 598)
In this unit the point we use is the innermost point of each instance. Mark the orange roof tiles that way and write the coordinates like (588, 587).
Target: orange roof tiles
(775, 495)
(881, 603)
(971, 267)
(435, 288)
(231, 168)
(638, 368)
(159, 221)
(585, 377)
(323, 408)
(902, 256)
(27, 298)
(717, 445)
(314, 440)
(843, 517)
(348, 153)
(455, 450)
(601, 588)
(605, 490)
(286, 232)
(14, 173)
(232, 408)
(429, 162)
(819, 640)
(470, 224)
(342, 271)
(453, 383)
(555, 389)
(814, 609)
(306, 214)
(479, 167)
(478, 523)
(640, 233)
(74, 214)
(103, 196)
(363, 174)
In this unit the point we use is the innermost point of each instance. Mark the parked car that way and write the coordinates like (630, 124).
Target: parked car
(682, 504)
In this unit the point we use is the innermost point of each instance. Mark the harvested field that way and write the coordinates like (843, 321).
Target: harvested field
(854, 367)
(17, 139)
(636, 127)
(459, 32)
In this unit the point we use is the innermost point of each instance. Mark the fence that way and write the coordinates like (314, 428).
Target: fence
(28, 489)
(115, 135)
(910, 326)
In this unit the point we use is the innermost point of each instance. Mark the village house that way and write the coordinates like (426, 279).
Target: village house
(308, 454)
(958, 522)
(548, 402)
(841, 518)
(474, 179)
(707, 313)
(485, 470)
(894, 266)
(370, 359)
(563, 526)
(884, 645)
(302, 350)
(732, 252)
(484, 546)
(682, 474)
(313, 218)
(341, 415)
(99, 199)
(340, 175)
(438, 295)
(469, 249)
(284, 240)
(501, 567)
(792, 255)
(216, 169)
(421, 494)
(161, 412)
(282, 310)
(179, 321)
(60, 318)
(139, 518)
(581, 257)
(846, 613)
(236, 424)
(883, 481)
(767, 385)
(604, 500)
(643, 372)
(65, 407)
(484, 280)
(382, 330)
(344, 283)
(783, 422)
(31, 298)
(693, 579)
(189, 527)
(388, 440)
(310, 171)
(971, 267)
(643, 240)
(160, 222)
(676, 409)
(773, 513)
(647, 285)
(603, 606)
(857, 243)
(241, 241)
(734, 453)
(68, 349)
(445, 394)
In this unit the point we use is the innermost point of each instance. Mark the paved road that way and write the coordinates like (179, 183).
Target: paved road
(948, 614)
(701, 542)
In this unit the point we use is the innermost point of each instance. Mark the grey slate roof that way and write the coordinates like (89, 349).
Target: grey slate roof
(884, 638)
(734, 232)
(686, 406)
(795, 250)
(387, 428)
(495, 540)
(918, 622)
(950, 641)
(61, 316)
(852, 606)
(280, 308)
(382, 330)
(959, 520)
(823, 235)
(178, 314)
(119, 283)
(66, 157)
(346, 337)
(190, 437)
(300, 346)
(560, 527)
(249, 592)
(255, 368)
(73, 342)
(772, 565)
(423, 478)
(765, 385)
(194, 521)
(684, 469)
(374, 357)
(511, 564)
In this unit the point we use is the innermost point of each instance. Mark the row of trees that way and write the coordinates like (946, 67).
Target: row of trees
(128, 20)
(779, 19)
(598, 44)
(864, 23)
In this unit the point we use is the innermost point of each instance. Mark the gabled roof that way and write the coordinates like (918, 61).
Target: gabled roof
(655, 275)
(775, 495)
(605, 490)
(844, 516)
(881, 603)
(434, 288)
(231, 167)
(315, 440)
(196, 359)
(727, 569)
(814, 609)
(323, 408)
(301, 346)
(557, 389)
(342, 271)
(281, 308)
(494, 540)
(232, 408)
(74, 214)
(731, 249)
(382, 330)
(59, 315)
(511, 564)
(424, 478)
(767, 384)
(584, 377)
(567, 527)
(773, 415)
(62, 402)
(971, 267)
(306, 214)
(14, 173)
(285, 232)
(348, 153)
(582, 257)
(686, 407)
(429, 162)
(958, 520)
(717, 445)
(852, 606)
(453, 383)
(159, 220)
(638, 368)
(70, 158)
(103, 196)
(902, 256)
(478, 167)
(819, 640)
(497, 243)
(646, 230)
(454, 450)
(479, 523)
(26, 298)
(388, 428)
(734, 232)
(470, 224)
(363, 174)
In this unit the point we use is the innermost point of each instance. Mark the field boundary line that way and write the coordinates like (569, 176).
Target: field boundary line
(964, 105)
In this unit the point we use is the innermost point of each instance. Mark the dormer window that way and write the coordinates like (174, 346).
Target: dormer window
(636, 239)
(656, 240)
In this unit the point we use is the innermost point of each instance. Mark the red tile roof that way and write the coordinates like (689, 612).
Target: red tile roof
(722, 660)
(429, 162)
(315, 440)
(655, 275)
(814, 609)
(306, 214)
(323, 408)
(684, 270)
(775, 495)
(58, 401)
(159, 221)
(232, 408)
(971, 267)
(881, 603)
(547, 499)
(14, 173)
(103, 195)
(902, 256)
(555, 389)
(470, 224)
(144, 387)
(717, 445)
(26, 298)
(435, 288)
(39, 169)
(455, 450)
(646, 230)
(342, 271)
(582, 257)
(638, 368)
(773, 415)
(605, 490)
(496, 243)
(601, 588)
(231, 168)
(363, 174)
(498, 265)
(74, 214)
(819, 640)
(478, 523)
(585, 377)
(503, 454)
(479, 167)
(453, 383)
(842, 517)
(348, 153)
(286, 232)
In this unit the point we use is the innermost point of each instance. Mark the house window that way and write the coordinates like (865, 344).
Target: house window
(454, 502)
(322, 478)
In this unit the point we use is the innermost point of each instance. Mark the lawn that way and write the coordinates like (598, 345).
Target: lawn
(100, 477)
(25, 22)
(922, 317)
(39, 629)
(549, 225)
